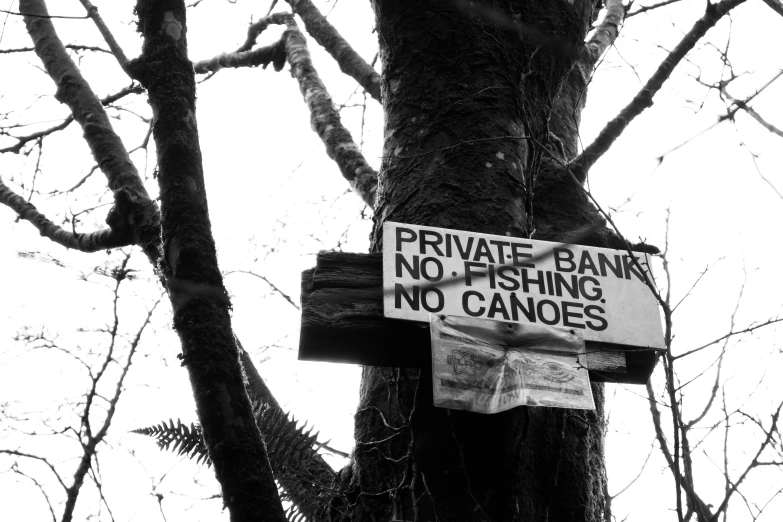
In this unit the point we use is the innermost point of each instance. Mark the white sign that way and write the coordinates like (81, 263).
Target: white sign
(596, 290)
(490, 366)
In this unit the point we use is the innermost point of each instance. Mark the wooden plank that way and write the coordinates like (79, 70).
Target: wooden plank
(342, 321)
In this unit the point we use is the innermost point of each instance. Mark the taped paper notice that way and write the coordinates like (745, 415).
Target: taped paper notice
(490, 366)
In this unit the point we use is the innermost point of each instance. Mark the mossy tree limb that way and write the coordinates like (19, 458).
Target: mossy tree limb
(189, 264)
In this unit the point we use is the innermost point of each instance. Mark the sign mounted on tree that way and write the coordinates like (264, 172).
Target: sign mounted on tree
(599, 291)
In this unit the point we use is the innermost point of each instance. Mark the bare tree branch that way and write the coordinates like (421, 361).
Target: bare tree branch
(754, 462)
(731, 111)
(775, 5)
(15, 469)
(693, 286)
(730, 334)
(36, 14)
(75, 91)
(262, 56)
(327, 37)
(325, 119)
(604, 33)
(89, 440)
(673, 464)
(756, 116)
(761, 174)
(255, 30)
(134, 212)
(91, 242)
(108, 100)
(646, 8)
(116, 50)
(638, 475)
(41, 459)
(644, 99)
(270, 283)
(716, 382)
(73, 47)
(743, 104)
(23, 140)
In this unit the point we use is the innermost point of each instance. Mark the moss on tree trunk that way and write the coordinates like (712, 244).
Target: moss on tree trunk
(189, 265)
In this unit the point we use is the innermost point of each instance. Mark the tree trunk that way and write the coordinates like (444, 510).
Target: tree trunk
(468, 91)
(199, 300)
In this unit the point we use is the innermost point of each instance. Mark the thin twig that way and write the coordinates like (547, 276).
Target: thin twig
(91, 242)
(646, 8)
(37, 15)
(730, 334)
(643, 99)
(116, 50)
(268, 282)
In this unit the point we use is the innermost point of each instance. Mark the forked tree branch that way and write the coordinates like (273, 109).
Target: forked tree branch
(115, 161)
(22, 140)
(89, 440)
(755, 462)
(671, 460)
(116, 50)
(73, 90)
(604, 33)
(263, 56)
(646, 8)
(643, 99)
(255, 30)
(327, 37)
(324, 118)
(91, 242)
(743, 104)
(51, 467)
(134, 212)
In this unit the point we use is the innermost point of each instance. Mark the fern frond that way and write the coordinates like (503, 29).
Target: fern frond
(180, 438)
(291, 452)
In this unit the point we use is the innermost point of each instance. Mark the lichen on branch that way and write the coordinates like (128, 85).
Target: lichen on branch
(327, 37)
(324, 118)
(138, 212)
(263, 56)
(189, 265)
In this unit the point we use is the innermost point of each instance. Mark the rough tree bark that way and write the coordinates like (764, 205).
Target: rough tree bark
(469, 91)
(189, 265)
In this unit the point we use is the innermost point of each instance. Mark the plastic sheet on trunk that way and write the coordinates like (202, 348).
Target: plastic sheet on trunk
(490, 366)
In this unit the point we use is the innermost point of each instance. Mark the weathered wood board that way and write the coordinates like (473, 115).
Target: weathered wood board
(343, 321)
